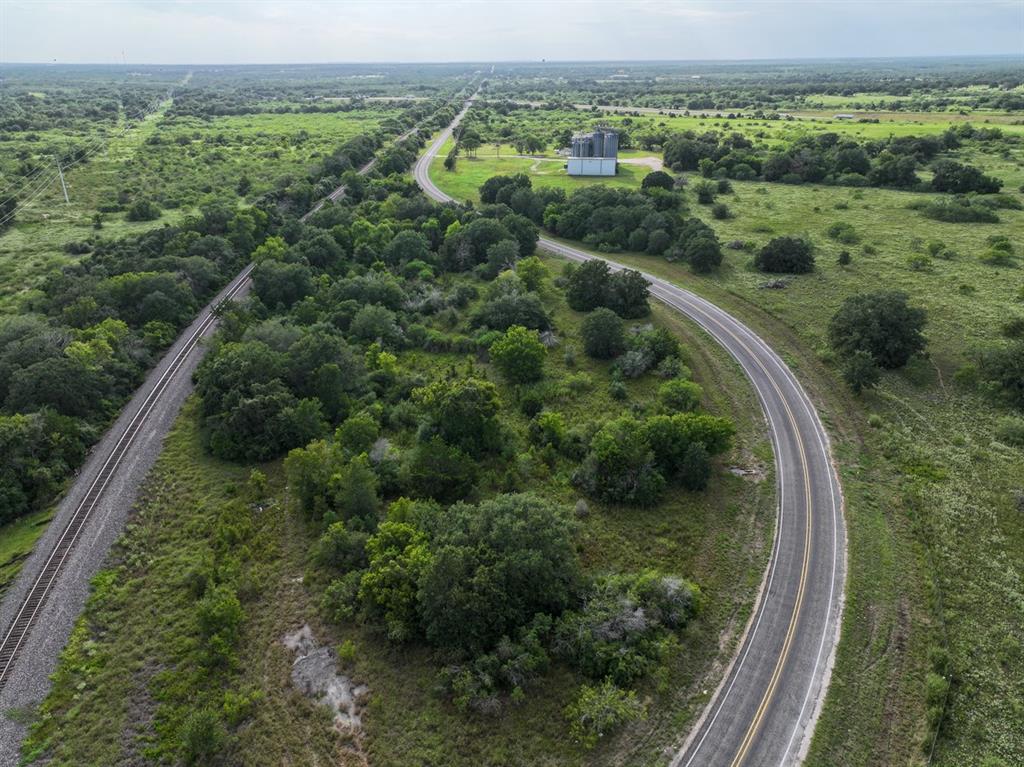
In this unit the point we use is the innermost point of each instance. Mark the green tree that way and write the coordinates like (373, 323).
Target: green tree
(587, 286)
(680, 396)
(519, 355)
(398, 557)
(881, 324)
(495, 566)
(603, 334)
(785, 254)
(463, 411)
(532, 272)
(658, 179)
(620, 466)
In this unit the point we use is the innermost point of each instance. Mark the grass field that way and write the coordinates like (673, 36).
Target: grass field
(120, 687)
(936, 537)
(547, 170)
(194, 162)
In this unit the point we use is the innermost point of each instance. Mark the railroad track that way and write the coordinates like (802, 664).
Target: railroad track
(24, 620)
(33, 602)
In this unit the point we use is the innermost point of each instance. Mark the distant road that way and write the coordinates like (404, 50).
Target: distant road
(763, 712)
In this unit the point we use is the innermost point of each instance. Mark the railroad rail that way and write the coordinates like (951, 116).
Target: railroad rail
(24, 620)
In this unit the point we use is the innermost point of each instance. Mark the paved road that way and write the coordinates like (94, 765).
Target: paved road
(764, 710)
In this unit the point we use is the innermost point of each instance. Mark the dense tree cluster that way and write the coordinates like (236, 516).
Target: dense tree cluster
(828, 158)
(66, 367)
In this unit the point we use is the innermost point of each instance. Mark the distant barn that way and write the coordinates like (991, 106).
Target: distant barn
(594, 154)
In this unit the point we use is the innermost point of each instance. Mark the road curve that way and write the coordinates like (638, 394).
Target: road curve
(763, 711)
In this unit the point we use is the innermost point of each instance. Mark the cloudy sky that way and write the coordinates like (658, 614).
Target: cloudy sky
(252, 31)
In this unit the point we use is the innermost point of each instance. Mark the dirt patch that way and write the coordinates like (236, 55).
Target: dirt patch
(654, 163)
(315, 675)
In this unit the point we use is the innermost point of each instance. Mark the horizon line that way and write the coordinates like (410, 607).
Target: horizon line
(1019, 55)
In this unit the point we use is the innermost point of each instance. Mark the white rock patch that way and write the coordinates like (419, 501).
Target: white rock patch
(315, 674)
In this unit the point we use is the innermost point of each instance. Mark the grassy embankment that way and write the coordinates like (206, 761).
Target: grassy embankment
(936, 536)
(117, 691)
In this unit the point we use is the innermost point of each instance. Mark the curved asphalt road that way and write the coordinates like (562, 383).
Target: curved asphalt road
(765, 707)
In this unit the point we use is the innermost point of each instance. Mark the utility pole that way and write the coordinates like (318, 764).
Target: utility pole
(62, 184)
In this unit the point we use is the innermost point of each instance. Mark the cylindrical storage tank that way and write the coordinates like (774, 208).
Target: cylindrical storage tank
(598, 138)
(611, 144)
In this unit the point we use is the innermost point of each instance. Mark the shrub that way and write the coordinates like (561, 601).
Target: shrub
(143, 210)
(843, 232)
(341, 549)
(1013, 328)
(720, 211)
(519, 355)
(958, 211)
(603, 334)
(860, 371)
(202, 737)
(705, 191)
(1003, 369)
(1010, 431)
(601, 710)
(785, 255)
(680, 396)
(844, 258)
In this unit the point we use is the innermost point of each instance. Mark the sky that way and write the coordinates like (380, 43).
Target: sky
(315, 31)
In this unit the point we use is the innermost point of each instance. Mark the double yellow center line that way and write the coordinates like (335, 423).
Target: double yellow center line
(762, 709)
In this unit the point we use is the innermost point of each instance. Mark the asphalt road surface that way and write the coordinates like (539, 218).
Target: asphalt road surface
(763, 711)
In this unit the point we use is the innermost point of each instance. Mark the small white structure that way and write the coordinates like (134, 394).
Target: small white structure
(591, 166)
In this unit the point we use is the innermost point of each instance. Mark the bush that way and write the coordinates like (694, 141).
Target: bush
(494, 568)
(958, 211)
(720, 211)
(601, 710)
(1002, 368)
(519, 355)
(678, 396)
(202, 737)
(785, 255)
(860, 371)
(143, 210)
(843, 232)
(881, 324)
(603, 334)
(1010, 431)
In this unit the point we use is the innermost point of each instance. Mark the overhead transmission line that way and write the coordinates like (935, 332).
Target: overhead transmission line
(79, 156)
